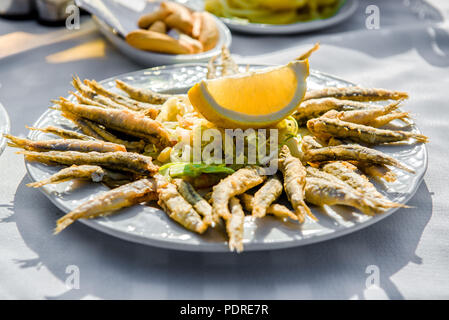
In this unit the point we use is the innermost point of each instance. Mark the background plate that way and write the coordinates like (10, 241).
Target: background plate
(347, 10)
(4, 127)
(151, 226)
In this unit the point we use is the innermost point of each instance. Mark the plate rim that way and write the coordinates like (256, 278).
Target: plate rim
(177, 244)
(5, 129)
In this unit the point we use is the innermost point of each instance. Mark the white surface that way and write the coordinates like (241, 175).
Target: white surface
(151, 226)
(410, 248)
(347, 9)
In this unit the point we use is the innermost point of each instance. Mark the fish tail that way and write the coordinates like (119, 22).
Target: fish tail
(399, 165)
(402, 115)
(33, 128)
(76, 82)
(309, 213)
(15, 142)
(393, 106)
(386, 204)
(63, 223)
(236, 246)
(37, 184)
(368, 208)
(420, 137)
(390, 204)
(302, 211)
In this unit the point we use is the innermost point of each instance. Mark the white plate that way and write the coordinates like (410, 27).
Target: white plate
(4, 127)
(347, 10)
(151, 226)
(117, 17)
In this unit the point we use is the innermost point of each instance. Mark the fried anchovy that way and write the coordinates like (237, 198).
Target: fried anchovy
(85, 100)
(266, 195)
(376, 171)
(349, 174)
(315, 108)
(63, 133)
(354, 152)
(365, 116)
(294, 182)
(234, 184)
(386, 119)
(143, 94)
(234, 225)
(211, 68)
(64, 145)
(129, 122)
(94, 173)
(319, 191)
(325, 128)
(93, 96)
(81, 123)
(177, 207)
(356, 93)
(125, 101)
(122, 161)
(195, 199)
(132, 146)
(106, 203)
(228, 65)
(274, 209)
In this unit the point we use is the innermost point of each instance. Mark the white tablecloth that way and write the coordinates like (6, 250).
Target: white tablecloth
(410, 249)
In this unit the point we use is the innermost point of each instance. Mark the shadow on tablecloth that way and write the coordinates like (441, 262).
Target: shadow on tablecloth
(111, 268)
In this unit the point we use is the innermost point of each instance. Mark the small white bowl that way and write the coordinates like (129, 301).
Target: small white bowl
(115, 19)
(148, 58)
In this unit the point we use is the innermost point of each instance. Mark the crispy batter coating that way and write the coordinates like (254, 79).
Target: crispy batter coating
(325, 128)
(122, 161)
(106, 203)
(64, 145)
(294, 182)
(177, 207)
(356, 93)
(233, 185)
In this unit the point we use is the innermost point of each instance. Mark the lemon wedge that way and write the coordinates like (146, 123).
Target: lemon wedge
(255, 99)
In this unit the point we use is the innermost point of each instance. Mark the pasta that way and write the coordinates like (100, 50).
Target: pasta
(274, 11)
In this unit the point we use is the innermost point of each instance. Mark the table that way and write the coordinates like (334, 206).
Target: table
(409, 251)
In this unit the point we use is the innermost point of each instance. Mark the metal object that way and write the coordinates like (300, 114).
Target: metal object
(52, 10)
(16, 7)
